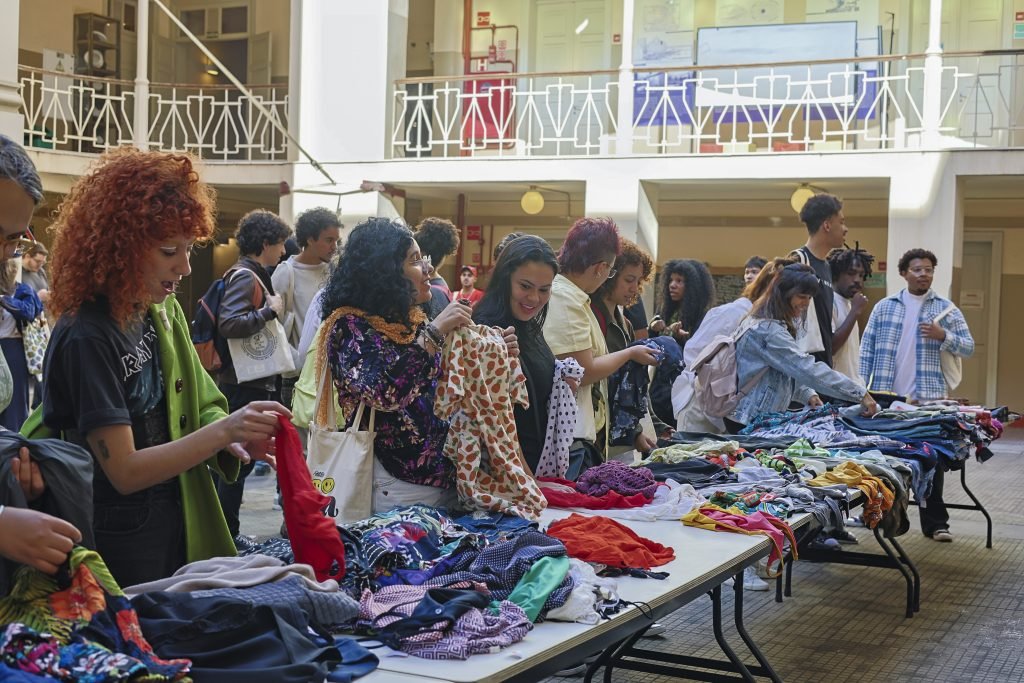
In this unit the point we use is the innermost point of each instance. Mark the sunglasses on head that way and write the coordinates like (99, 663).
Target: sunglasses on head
(21, 240)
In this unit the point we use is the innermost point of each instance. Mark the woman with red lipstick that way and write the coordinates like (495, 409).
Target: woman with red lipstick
(122, 377)
(517, 296)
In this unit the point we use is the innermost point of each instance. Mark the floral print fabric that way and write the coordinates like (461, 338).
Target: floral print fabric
(87, 631)
(399, 381)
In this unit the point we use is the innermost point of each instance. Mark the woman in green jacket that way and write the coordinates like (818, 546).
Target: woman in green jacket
(122, 377)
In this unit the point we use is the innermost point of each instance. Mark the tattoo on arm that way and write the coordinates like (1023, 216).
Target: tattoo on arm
(104, 451)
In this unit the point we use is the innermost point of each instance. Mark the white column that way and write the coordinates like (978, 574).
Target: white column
(624, 131)
(925, 211)
(350, 54)
(12, 123)
(932, 101)
(141, 121)
(631, 204)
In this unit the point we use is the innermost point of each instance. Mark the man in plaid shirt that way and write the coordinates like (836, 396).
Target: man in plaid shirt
(901, 350)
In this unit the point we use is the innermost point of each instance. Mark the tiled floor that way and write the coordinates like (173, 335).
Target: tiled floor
(847, 623)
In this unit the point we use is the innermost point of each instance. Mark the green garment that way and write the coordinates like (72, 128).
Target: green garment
(537, 584)
(6, 384)
(197, 403)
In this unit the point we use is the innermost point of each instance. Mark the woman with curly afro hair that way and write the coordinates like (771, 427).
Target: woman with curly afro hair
(687, 292)
(122, 377)
(384, 353)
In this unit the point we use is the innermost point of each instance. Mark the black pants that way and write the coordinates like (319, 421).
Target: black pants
(935, 516)
(142, 537)
(231, 494)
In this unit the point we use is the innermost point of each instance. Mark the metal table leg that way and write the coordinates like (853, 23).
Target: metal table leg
(905, 559)
(766, 668)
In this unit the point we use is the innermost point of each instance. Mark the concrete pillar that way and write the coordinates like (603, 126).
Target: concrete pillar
(12, 123)
(633, 207)
(141, 121)
(926, 211)
(624, 131)
(932, 101)
(345, 65)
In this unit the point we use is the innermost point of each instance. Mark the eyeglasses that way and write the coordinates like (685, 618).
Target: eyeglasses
(424, 262)
(20, 240)
(612, 272)
(922, 271)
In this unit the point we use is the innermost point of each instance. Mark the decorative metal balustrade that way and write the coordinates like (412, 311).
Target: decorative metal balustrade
(871, 104)
(88, 114)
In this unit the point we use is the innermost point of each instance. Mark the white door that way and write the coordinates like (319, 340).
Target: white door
(571, 113)
(981, 273)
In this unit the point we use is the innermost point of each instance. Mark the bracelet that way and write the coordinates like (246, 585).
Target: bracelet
(434, 335)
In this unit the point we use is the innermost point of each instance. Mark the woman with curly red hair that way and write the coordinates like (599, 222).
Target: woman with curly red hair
(122, 377)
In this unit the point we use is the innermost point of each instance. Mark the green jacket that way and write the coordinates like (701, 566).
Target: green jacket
(193, 401)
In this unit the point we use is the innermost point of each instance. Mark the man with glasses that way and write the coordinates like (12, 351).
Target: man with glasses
(901, 352)
(27, 536)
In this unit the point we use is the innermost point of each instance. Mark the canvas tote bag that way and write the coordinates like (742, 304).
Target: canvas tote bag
(340, 462)
(264, 354)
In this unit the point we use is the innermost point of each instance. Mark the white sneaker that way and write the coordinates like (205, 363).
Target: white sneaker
(752, 582)
(655, 630)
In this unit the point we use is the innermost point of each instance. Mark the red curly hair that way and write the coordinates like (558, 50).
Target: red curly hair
(127, 203)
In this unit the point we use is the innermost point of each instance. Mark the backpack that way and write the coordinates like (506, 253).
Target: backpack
(716, 384)
(211, 347)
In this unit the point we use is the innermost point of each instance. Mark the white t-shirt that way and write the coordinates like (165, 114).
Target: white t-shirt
(297, 283)
(847, 359)
(905, 382)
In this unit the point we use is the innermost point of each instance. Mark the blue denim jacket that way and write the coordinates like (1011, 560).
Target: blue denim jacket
(792, 375)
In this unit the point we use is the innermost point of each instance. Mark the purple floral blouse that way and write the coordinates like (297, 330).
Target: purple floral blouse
(399, 381)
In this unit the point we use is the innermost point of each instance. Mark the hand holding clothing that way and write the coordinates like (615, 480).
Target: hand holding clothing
(870, 407)
(645, 355)
(255, 423)
(27, 474)
(36, 539)
(454, 316)
(814, 402)
(511, 341)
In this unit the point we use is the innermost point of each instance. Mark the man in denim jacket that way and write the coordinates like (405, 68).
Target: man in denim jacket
(901, 352)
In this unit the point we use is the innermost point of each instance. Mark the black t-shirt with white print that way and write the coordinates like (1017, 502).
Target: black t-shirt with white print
(99, 374)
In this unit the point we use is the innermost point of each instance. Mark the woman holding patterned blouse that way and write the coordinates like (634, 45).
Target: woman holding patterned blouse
(384, 353)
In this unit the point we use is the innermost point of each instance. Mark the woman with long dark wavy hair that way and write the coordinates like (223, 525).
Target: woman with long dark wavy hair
(517, 296)
(687, 293)
(383, 352)
(122, 378)
(767, 354)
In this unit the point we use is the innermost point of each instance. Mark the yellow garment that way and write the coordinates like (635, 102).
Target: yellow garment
(571, 327)
(878, 499)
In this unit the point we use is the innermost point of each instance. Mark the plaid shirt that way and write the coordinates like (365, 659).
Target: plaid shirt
(881, 340)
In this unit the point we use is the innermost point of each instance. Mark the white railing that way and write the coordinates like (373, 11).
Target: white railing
(89, 114)
(819, 106)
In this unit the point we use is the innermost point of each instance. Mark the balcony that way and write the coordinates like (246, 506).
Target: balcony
(90, 115)
(971, 100)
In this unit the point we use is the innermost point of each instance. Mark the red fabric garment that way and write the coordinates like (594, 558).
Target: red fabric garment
(612, 500)
(314, 538)
(599, 539)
